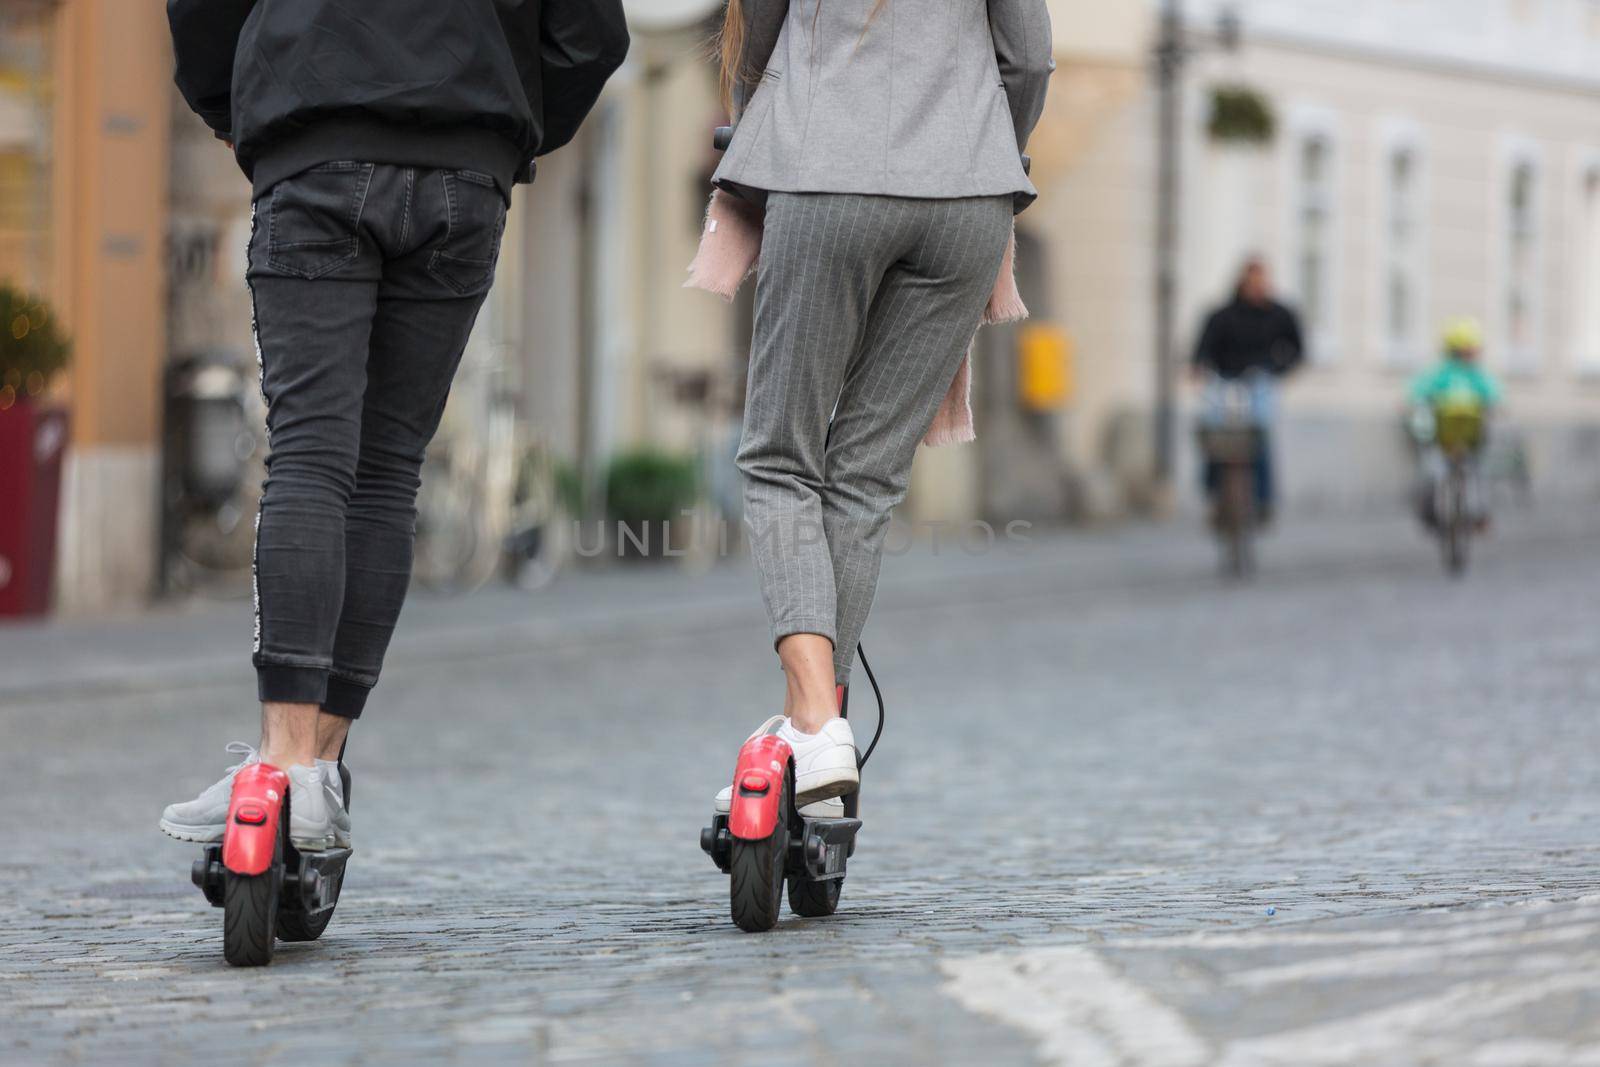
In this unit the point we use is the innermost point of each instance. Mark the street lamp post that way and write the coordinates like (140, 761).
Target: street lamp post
(1169, 72)
(1171, 55)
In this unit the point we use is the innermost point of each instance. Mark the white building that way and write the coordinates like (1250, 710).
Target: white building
(1433, 159)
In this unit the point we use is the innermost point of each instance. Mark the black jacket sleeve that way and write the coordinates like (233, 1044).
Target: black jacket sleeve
(205, 36)
(581, 44)
(1290, 350)
(1205, 352)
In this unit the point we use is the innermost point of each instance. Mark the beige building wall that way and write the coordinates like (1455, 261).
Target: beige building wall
(113, 77)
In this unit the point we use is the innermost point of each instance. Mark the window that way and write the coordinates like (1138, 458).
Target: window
(25, 115)
(1587, 290)
(1520, 299)
(1404, 267)
(1313, 230)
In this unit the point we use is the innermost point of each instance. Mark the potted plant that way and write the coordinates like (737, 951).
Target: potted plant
(34, 350)
(646, 492)
(1241, 116)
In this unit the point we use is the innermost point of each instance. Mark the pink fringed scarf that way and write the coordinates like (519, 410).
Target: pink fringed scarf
(731, 245)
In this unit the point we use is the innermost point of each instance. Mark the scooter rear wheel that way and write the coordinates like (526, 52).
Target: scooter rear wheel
(813, 900)
(296, 926)
(250, 913)
(755, 871)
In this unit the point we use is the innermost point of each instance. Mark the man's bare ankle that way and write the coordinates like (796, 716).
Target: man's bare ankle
(285, 760)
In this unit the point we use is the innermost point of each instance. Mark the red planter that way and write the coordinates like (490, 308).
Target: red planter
(33, 441)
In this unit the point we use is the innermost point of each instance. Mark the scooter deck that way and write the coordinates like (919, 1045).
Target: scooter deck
(311, 880)
(818, 852)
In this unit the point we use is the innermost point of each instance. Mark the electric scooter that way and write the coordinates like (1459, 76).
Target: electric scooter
(268, 890)
(763, 842)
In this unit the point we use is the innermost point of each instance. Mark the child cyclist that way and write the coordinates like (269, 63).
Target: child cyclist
(1451, 403)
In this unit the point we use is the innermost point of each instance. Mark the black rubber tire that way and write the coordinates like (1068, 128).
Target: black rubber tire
(755, 870)
(295, 926)
(813, 900)
(1457, 530)
(250, 914)
(1237, 525)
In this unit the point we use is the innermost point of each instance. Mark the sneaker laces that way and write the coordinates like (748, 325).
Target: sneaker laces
(239, 748)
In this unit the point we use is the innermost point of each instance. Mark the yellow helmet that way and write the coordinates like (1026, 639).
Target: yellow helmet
(1463, 335)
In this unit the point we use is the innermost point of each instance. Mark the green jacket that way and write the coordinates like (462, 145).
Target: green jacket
(1453, 383)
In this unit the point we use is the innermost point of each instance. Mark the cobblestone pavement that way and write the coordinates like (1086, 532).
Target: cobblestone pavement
(1123, 815)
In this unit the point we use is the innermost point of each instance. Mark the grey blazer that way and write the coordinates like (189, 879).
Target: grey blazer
(932, 98)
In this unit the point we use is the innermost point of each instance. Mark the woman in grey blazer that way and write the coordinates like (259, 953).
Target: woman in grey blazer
(884, 139)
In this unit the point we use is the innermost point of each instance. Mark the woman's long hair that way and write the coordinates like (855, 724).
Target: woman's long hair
(730, 46)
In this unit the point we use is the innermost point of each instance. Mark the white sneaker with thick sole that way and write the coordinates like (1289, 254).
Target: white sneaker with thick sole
(203, 818)
(334, 785)
(822, 809)
(825, 763)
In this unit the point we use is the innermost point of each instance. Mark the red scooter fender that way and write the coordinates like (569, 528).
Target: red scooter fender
(250, 839)
(758, 783)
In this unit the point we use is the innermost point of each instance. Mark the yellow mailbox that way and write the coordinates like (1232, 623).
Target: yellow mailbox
(1044, 367)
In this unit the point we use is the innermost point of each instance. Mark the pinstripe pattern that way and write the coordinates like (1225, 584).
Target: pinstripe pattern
(865, 306)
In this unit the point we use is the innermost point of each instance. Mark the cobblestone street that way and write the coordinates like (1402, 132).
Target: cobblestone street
(1123, 814)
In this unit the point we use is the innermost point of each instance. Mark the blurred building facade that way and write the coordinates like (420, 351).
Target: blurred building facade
(84, 128)
(1432, 160)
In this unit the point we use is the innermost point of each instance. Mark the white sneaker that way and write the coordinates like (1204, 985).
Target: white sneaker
(205, 817)
(822, 809)
(825, 763)
(724, 801)
(333, 783)
(310, 814)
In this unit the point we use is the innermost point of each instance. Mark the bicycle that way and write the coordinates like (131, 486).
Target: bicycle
(1459, 435)
(1233, 438)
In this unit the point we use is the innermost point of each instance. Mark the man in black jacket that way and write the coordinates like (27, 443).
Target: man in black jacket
(1246, 345)
(382, 139)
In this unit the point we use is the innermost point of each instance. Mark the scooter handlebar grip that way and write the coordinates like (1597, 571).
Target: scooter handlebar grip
(722, 138)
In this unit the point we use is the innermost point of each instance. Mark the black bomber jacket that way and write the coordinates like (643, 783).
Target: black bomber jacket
(479, 84)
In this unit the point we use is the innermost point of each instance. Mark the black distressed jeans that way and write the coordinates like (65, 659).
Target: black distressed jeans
(366, 280)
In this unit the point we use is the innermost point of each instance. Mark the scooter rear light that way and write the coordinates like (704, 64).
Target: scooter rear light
(250, 815)
(753, 783)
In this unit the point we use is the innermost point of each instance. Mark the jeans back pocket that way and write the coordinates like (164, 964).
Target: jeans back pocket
(313, 219)
(476, 212)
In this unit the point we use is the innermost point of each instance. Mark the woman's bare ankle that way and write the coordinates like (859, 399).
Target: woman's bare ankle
(811, 700)
(812, 720)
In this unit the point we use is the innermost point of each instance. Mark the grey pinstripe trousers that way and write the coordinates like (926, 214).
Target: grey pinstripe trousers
(865, 306)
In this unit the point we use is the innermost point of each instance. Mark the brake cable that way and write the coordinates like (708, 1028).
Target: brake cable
(873, 678)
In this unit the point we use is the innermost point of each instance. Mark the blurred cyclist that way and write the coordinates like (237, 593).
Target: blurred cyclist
(1451, 403)
(1248, 343)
